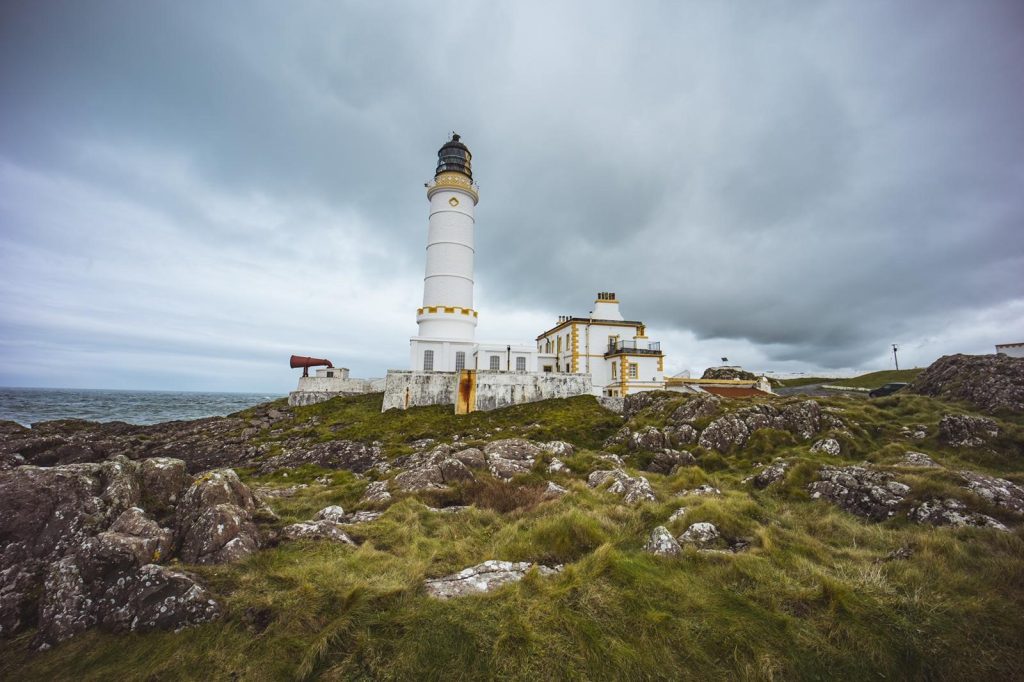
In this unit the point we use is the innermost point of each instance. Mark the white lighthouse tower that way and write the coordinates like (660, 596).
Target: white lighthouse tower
(447, 319)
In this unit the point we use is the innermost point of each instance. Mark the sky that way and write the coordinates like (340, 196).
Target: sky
(192, 191)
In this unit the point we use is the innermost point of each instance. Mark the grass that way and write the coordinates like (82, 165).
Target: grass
(876, 379)
(813, 598)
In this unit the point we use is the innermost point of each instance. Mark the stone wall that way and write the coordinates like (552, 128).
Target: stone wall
(495, 390)
(406, 388)
(481, 390)
(314, 390)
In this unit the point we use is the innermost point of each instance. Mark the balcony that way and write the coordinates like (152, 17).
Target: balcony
(634, 348)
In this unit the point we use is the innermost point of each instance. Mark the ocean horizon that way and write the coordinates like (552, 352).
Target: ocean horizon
(31, 405)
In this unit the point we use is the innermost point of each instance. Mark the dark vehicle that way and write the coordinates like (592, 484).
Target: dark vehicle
(888, 389)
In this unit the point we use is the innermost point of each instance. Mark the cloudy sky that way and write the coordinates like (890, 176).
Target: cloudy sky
(192, 191)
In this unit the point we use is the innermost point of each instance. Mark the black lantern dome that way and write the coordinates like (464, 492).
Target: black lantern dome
(454, 156)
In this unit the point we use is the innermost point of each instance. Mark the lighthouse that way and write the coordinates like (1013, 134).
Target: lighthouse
(447, 319)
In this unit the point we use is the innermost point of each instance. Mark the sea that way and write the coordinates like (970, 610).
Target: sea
(30, 405)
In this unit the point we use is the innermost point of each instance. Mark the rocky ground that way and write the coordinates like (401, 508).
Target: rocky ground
(688, 536)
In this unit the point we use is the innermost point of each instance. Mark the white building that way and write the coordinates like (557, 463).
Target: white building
(1013, 350)
(615, 352)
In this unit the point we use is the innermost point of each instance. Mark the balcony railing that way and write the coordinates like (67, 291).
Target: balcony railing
(638, 347)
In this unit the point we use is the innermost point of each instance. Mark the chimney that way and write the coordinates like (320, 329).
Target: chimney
(606, 307)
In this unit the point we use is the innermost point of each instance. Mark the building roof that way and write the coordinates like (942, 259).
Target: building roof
(590, 320)
(736, 392)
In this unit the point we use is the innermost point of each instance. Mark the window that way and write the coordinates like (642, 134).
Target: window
(330, 375)
(460, 361)
(634, 370)
(615, 370)
(520, 364)
(428, 361)
(558, 344)
(547, 368)
(495, 362)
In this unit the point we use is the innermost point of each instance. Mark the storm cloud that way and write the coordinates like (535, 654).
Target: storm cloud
(189, 192)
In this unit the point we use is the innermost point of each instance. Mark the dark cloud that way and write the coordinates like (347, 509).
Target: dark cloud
(801, 184)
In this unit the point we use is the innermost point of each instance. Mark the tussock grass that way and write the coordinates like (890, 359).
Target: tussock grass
(815, 596)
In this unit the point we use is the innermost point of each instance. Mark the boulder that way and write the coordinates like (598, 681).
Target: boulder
(471, 457)
(696, 407)
(163, 481)
(773, 472)
(631, 488)
(677, 514)
(336, 454)
(868, 493)
(322, 529)
(701, 534)
(828, 446)
(557, 466)
(84, 591)
(684, 434)
(511, 456)
(333, 513)
(990, 383)
(648, 438)
(668, 461)
(914, 432)
(437, 468)
(158, 542)
(725, 434)
(965, 431)
(998, 491)
(661, 543)
(951, 512)
(484, 577)
(214, 519)
(703, 490)
(376, 493)
(559, 448)
(917, 459)
(554, 490)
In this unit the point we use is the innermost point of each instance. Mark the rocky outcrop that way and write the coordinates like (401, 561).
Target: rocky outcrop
(661, 543)
(78, 550)
(632, 488)
(732, 431)
(511, 456)
(437, 468)
(335, 454)
(635, 403)
(869, 493)
(951, 512)
(559, 448)
(485, 577)
(101, 587)
(376, 493)
(696, 407)
(990, 383)
(998, 491)
(668, 461)
(728, 373)
(215, 519)
(648, 438)
(965, 431)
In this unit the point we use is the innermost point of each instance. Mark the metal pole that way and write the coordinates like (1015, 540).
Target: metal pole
(894, 358)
